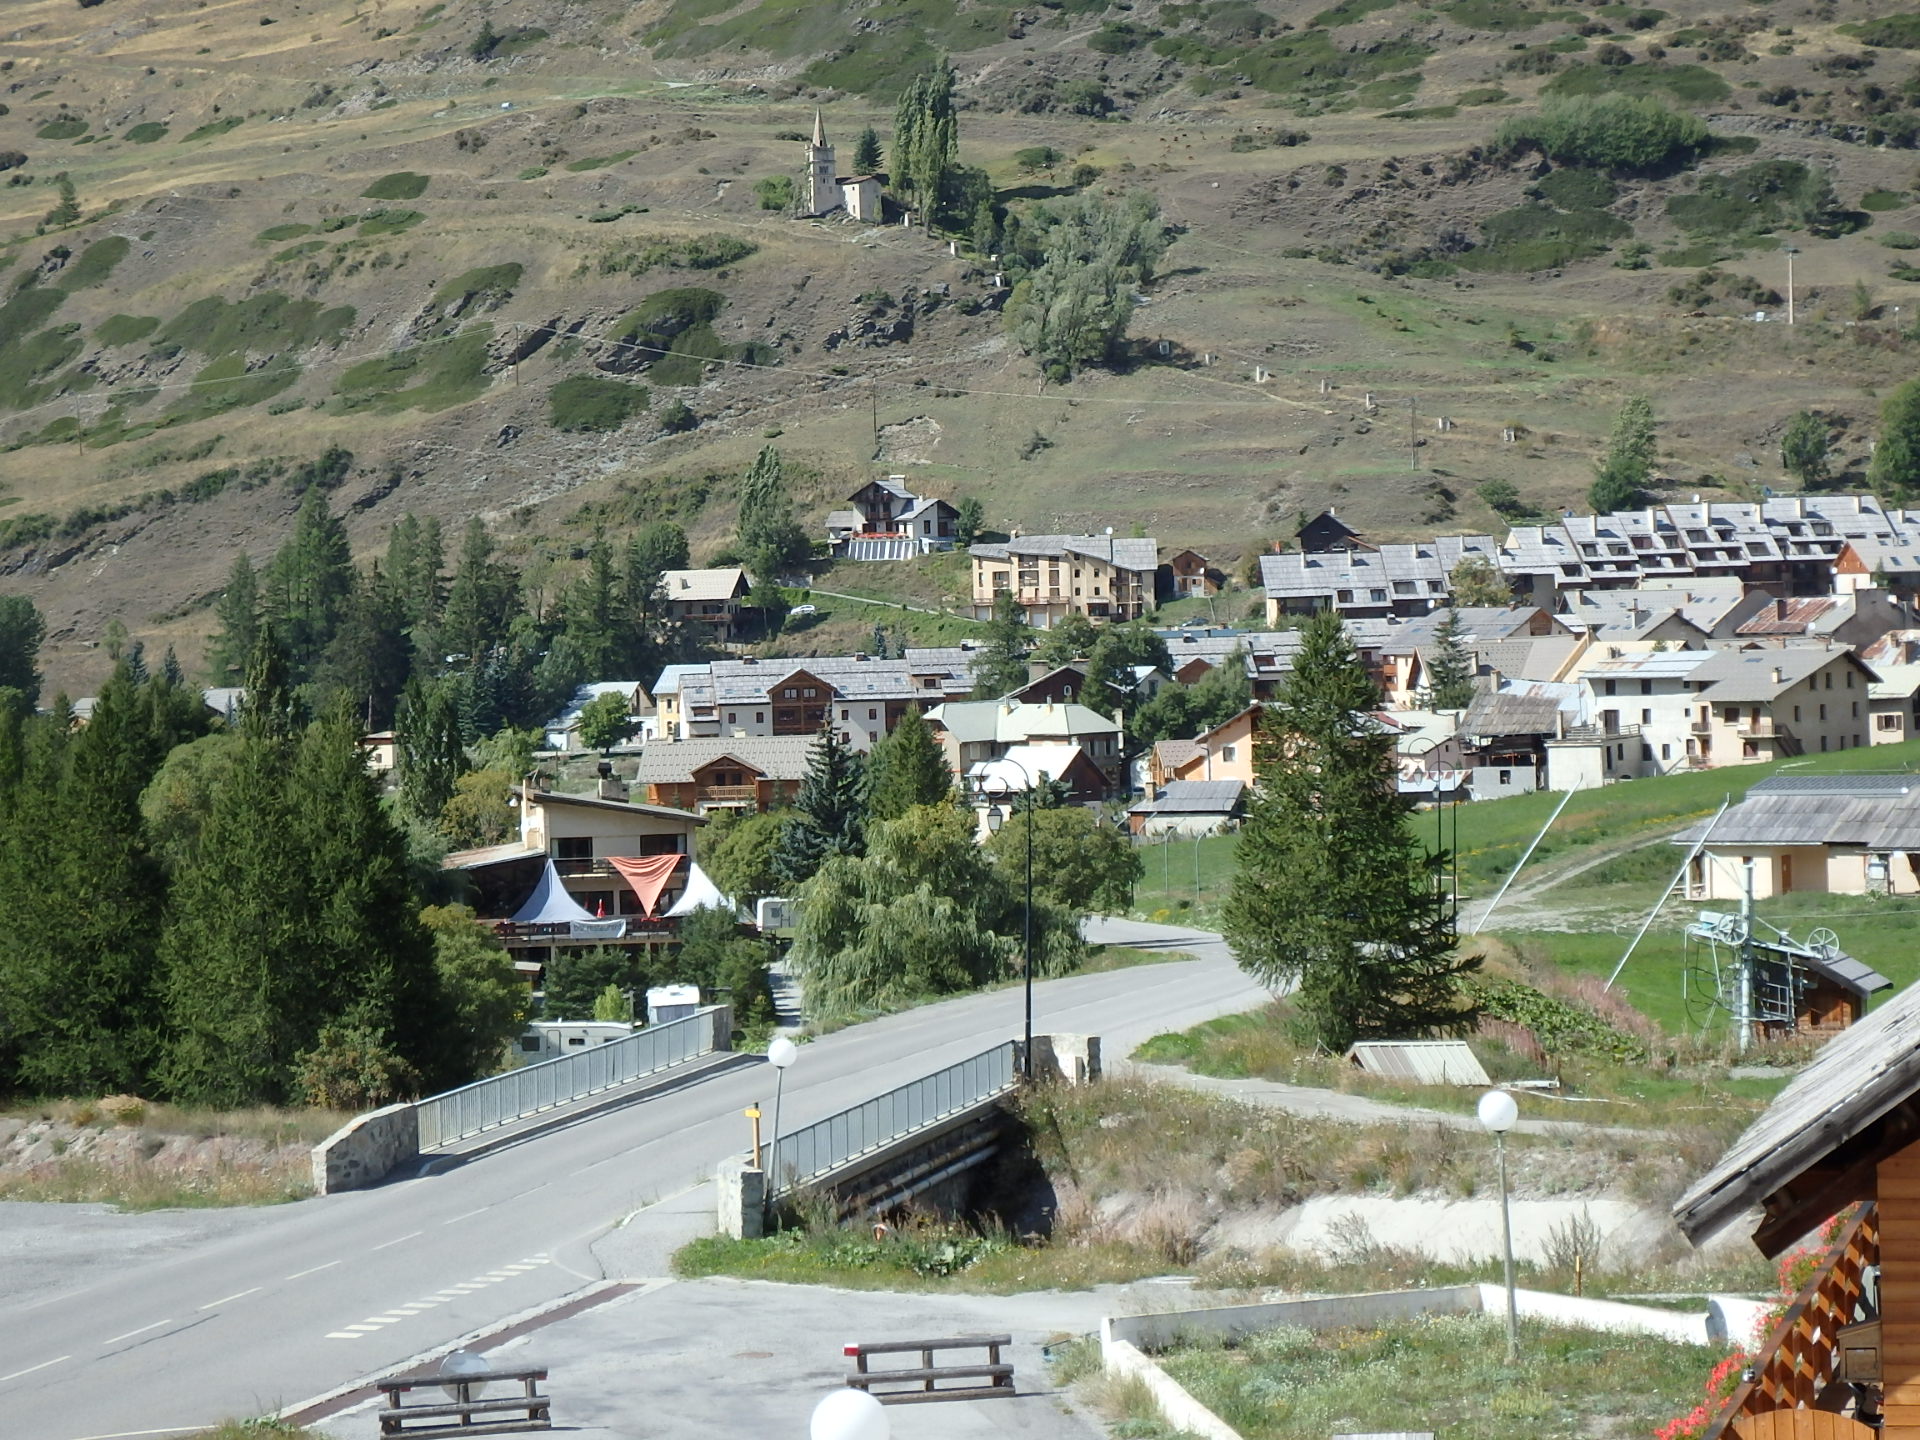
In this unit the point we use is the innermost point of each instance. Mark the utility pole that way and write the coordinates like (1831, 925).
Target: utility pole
(1743, 1016)
(1791, 252)
(1413, 443)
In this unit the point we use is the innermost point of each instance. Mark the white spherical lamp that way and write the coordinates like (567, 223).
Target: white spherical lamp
(1498, 1112)
(782, 1052)
(849, 1415)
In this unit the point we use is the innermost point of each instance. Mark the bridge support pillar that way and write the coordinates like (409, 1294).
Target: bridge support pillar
(742, 1192)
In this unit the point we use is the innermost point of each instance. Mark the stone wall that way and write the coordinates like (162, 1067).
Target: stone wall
(366, 1149)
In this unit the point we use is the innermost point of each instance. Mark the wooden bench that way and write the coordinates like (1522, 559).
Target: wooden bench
(466, 1415)
(997, 1374)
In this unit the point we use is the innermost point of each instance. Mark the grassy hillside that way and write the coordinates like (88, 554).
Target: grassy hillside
(507, 266)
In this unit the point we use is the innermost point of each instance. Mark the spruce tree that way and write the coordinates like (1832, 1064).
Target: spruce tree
(866, 152)
(907, 768)
(480, 601)
(1332, 892)
(1450, 671)
(235, 954)
(230, 650)
(21, 632)
(371, 963)
(831, 805)
(84, 965)
(1000, 664)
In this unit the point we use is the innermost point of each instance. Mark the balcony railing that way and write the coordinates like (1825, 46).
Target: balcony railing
(727, 795)
(581, 868)
(638, 928)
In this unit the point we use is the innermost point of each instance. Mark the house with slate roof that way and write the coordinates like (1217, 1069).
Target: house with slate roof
(1827, 834)
(1752, 706)
(863, 698)
(1104, 577)
(744, 773)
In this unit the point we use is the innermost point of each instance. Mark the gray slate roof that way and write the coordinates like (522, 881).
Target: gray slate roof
(1193, 797)
(1738, 676)
(778, 757)
(1128, 553)
(1874, 812)
(1508, 714)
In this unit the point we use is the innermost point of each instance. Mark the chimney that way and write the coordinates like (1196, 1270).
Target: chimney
(1776, 675)
(1779, 609)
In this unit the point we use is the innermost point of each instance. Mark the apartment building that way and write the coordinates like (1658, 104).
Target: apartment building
(1104, 577)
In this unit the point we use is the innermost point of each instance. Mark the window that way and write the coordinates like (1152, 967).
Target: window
(1732, 715)
(1823, 742)
(1829, 680)
(1612, 687)
(1849, 679)
(573, 847)
(1823, 712)
(530, 1044)
(759, 717)
(843, 715)
(1856, 705)
(1796, 714)
(731, 717)
(789, 693)
(1226, 752)
(872, 713)
(1646, 687)
(1506, 777)
(809, 693)
(1666, 752)
(1646, 717)
(576, 1040)
(1886, 722)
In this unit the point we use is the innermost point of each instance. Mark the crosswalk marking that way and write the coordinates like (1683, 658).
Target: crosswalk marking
(394, 1314)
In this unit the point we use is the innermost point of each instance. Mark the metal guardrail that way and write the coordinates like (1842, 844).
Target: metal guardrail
(502, 1099)
(815, 1150)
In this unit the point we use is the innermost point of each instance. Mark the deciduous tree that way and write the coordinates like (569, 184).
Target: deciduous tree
(1803, 449)
(1895, 471)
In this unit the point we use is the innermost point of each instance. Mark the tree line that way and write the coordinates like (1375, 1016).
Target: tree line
(225, 914)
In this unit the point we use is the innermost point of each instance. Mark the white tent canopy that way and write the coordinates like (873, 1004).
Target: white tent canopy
(550, 904)
(702, 894)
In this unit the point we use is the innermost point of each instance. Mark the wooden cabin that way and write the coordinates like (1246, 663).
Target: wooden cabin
(1844, 1363)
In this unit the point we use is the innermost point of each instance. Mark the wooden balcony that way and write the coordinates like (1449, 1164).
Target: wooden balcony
(727, 795)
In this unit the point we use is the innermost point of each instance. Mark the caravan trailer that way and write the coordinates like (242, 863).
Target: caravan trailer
(550, 1039)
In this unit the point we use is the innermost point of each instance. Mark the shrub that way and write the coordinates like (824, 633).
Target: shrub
(1883, 200)
(146, 133)
(63, 126)
(1900, 240)
(11, 160)
(589, 402)
(353, 1067)
(775, 192)
(1036, 158)
(213, 128)
(675, 418)
(401, 185)
(1625, 133)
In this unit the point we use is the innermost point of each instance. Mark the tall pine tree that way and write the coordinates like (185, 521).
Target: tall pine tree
(308, 584)
(1450, 670)
(1333, 894)
(907, 768)
(831, 806)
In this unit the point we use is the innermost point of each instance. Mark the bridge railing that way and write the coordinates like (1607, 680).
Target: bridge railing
(821, 1148)
(502, 1099)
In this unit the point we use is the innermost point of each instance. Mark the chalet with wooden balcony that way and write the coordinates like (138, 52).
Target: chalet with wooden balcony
(1835, 1159)
(585, 870)
(886, 521)
(707, 601)
(745, 774)
(1104, 577)
(861, 697)
(1751, 706)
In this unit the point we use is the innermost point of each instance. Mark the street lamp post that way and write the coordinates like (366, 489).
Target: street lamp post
(780, 1054)
(996, 788)
(1498, 1112)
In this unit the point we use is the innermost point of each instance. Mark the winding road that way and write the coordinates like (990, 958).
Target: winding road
(305, 1299)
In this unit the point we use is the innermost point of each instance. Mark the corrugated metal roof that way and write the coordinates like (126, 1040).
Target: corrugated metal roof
(1504, 714)
(1194, 797)
(778, 757)
(1422, 1062)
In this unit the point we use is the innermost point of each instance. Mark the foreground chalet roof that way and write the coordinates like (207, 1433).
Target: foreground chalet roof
(1873, 812)
(1816, 1146)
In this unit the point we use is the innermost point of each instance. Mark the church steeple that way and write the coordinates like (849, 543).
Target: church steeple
(823, 189)
(819, 131)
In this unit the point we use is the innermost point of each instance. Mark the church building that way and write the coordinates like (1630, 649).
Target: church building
(858, 195)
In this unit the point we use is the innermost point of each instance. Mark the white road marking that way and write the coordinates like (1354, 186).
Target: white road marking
(395, 1314)
(468, 1216)
(141, 1331)
(401, 1241)
(343, 1335)
(31, 1368)
(241, 1296)
(302, 1274)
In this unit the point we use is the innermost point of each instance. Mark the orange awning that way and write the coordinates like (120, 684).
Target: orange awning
(647, 874)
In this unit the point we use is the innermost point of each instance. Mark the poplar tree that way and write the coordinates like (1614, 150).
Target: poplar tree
(431, 750)
(237, 611)
(769, 536)
(1332, 893)
(907, 768)
(1450, 671)
(1624, 472)
(1894, 472)
(831, 805)
(926, 139)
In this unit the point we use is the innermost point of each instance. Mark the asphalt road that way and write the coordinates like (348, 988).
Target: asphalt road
(316, 1295)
